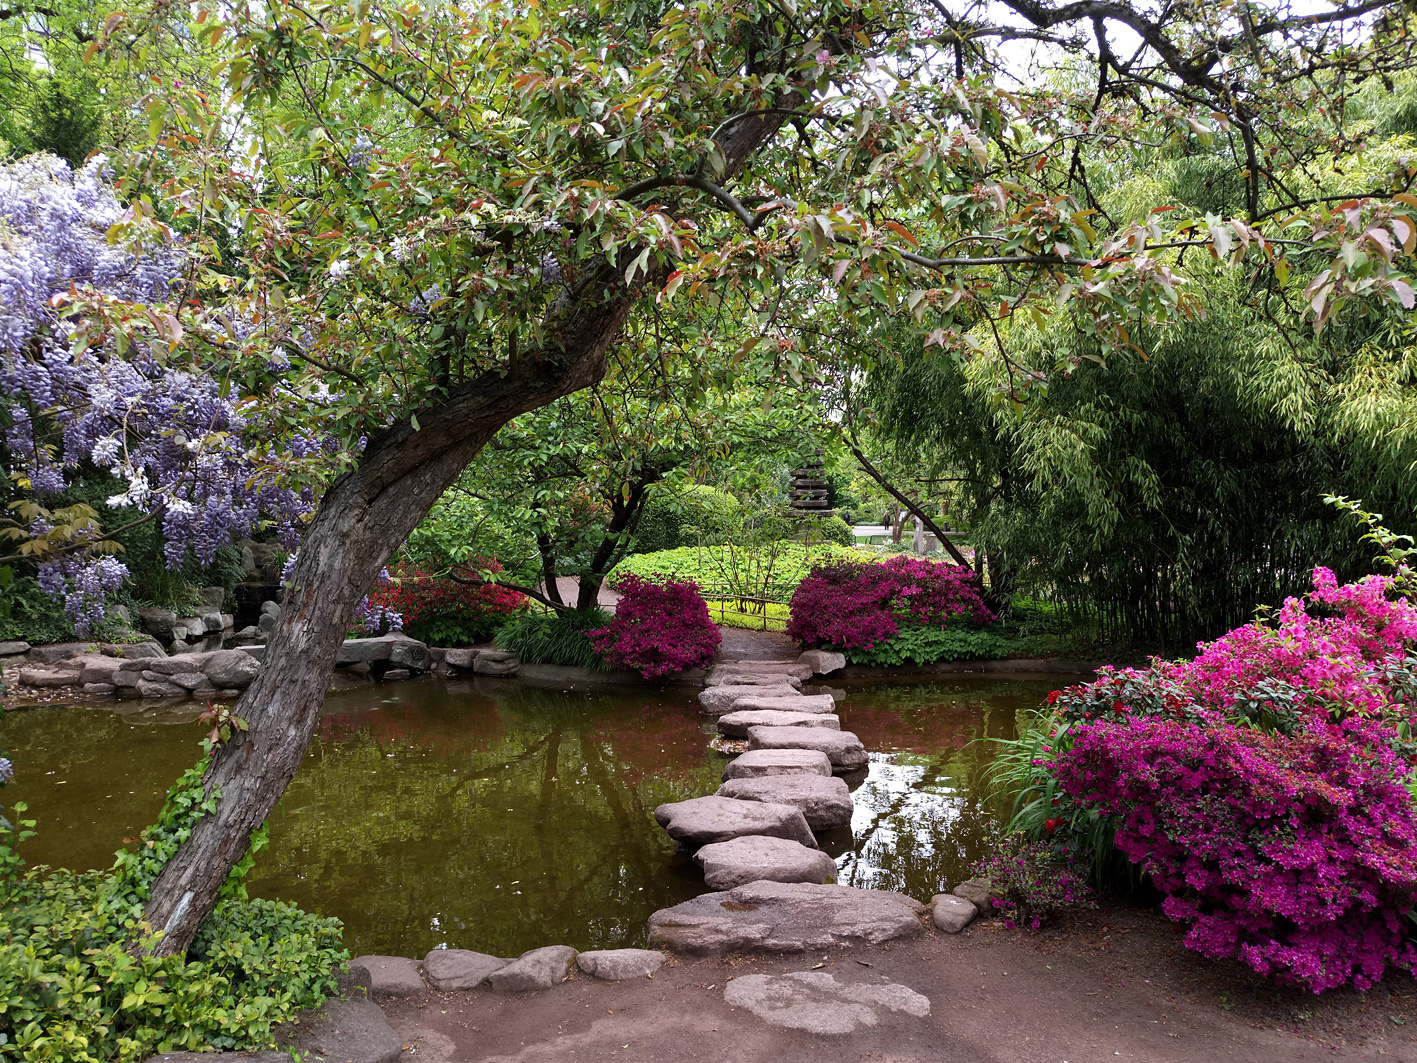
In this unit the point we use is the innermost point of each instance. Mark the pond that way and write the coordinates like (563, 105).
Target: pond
(500, 816)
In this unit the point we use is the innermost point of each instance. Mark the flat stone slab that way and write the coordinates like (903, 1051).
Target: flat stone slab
(451, 969)
(820, 704)
(736, 723)
(720, 699)
(721, 677)
(760, 762)
(352, 1030)
(785, 917)
(537, 969)
(952, 914)
(843, 748)
(795, 669)
(825, 801)
(757, 858)
(391, 976)
(816, 1002)
(705, 820)
(617, 965)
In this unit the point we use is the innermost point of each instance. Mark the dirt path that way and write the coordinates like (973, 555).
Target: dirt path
(1119, 987)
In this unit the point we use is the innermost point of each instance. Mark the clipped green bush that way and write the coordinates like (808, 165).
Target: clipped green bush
(926, 645)
(554, 638)
(770, 570)
(698, 514)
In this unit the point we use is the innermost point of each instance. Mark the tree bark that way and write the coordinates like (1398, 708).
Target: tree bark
(363, 518)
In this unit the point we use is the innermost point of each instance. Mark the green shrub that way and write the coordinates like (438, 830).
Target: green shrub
(554, 638)
(698, 514)
(834, 530)
(74, 988)
(28, 613)
(926, 645)
(769, 570)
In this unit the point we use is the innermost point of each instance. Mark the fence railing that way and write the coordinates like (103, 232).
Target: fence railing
(764, 614)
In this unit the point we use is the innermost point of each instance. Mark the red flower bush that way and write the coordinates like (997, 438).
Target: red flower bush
(441, 610)
(659, 628)
(1262, 785)
(849, 605)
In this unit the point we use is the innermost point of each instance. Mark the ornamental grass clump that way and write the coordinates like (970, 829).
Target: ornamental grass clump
(658, 629)
(1263, 787)
(855, 606)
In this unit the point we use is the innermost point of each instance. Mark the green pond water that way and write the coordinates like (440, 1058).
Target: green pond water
(501, 816)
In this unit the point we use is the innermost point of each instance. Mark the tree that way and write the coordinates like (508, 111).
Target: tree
(447, 217)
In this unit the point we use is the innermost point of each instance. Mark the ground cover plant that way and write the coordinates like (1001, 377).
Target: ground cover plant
(658, 629)
(727, 571)
(901, 609)
(1263, 787)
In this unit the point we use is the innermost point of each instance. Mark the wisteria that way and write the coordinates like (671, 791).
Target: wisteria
(174, 437)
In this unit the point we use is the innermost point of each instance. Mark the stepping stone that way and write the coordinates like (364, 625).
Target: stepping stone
(616, 965)
(737, 722)
(704, 820)
(952, 914)
(760, 762)
(720, 699)
(843, 748)
(391, 976)
(450, 969)
(819, 703)
(825, 802)
(785, 917)
(537, 969)
(816, 1002)
(721, 677)
(823, 662)
(757, 858)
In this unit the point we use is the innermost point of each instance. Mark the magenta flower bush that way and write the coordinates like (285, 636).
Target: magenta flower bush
(659, 628)
(846, 605)
(1264, 785)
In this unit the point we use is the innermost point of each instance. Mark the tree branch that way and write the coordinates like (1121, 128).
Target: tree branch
(914, 509)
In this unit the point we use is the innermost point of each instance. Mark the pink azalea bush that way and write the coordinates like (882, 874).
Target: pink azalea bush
(1263, 786)
(847, 605)
(659, 628)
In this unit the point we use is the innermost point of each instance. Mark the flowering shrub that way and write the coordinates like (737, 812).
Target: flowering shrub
(1032, 882)
(658, 628)
(1263, 786)
(847, 605)
(440, 610)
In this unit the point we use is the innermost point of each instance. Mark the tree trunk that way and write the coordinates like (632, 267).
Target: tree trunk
(363, 518)
(624, 514)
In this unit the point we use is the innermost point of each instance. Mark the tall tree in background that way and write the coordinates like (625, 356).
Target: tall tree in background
(446, 217)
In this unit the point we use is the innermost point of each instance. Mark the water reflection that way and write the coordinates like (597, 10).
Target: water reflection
(497, 816)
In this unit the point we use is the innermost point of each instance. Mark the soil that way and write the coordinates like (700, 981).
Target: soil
(1114, 985)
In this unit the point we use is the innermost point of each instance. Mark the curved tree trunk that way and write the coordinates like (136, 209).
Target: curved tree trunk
(363, 518)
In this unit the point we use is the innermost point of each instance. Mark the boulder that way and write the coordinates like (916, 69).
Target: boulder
(756, 858)
(537, 969)
(978, 892)
(13, 647)
(825, 801)
(179, 646)
(195, 682)
(703, 820)
(152, 685)
(157, 622)
(126, 679)
(450, 969)
(785, 917)
(823, 662)
(460, 657)
(267, 623)
(220, 1057)
(144, 650)
(99, 688)
(270, 608)
(352, 1030)
(178, 662)
(485, 665)
(391, 976)
(60, 651)
(842, 747)
(617, 965)
(818, 703)
(736, 723)
(212, 596)
(760, 762)
(498, 655)
(816, 1002)
(952, 914)
(399, 650)
(49, 677)
(720, 699)
(231, 669)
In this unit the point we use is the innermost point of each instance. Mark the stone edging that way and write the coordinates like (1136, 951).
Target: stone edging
(1048, 665)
